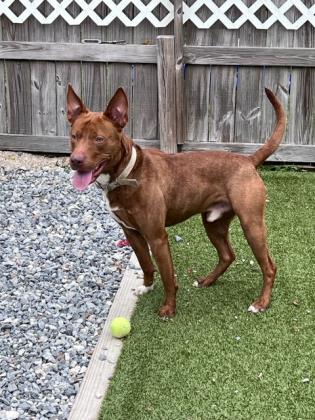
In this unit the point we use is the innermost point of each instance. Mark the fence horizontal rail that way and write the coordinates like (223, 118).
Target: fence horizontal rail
(54, 51)
(285, 153)
(250, 56)
(147, 54)
(50, 144)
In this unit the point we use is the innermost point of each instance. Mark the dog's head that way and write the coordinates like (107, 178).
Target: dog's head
(97, 142)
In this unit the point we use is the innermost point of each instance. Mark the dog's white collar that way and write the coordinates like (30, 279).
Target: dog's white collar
(102, 181)
(130, 165)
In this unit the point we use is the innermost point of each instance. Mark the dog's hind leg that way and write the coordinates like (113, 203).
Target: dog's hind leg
(141, 249)
(250, 208)
(218, 232)
(255, 232)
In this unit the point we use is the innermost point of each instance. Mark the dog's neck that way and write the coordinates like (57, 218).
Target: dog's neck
(119, 177)
(128, 153)
(130, 165)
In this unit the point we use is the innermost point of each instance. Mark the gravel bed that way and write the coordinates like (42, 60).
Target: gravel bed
(59, 271)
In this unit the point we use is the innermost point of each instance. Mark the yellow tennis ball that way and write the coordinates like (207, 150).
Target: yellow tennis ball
(120, 327)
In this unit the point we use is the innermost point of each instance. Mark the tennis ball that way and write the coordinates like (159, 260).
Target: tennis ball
(120, 327)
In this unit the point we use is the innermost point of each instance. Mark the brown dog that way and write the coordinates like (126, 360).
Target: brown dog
(147, 190)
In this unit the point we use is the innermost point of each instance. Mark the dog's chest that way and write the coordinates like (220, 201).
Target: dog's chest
(117, 213)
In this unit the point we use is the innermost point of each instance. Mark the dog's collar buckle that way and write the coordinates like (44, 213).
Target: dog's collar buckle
(108, 187)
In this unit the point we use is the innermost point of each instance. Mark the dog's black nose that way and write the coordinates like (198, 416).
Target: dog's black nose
(77, 160)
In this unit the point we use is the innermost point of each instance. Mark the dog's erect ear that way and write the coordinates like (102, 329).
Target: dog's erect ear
(117, 109)
(75, 106)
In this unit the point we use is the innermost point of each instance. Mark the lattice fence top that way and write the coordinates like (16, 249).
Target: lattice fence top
(292, 14)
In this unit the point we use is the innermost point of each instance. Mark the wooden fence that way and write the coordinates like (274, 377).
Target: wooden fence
(199, 89)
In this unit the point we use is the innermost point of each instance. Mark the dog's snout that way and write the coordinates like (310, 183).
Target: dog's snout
(77, 159)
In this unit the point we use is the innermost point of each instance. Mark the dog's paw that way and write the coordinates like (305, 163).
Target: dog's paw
(167, 312)
(142, 290)
(253, 309)
(204, 282)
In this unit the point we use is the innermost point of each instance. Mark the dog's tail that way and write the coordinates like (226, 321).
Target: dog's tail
(273, 142)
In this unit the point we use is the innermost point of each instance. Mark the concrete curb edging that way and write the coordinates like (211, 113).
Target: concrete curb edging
(104, 359)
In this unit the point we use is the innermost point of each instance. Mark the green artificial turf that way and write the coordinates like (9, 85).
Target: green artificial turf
(215, 360)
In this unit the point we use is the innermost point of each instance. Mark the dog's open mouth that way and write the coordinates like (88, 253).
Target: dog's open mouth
(81, 180)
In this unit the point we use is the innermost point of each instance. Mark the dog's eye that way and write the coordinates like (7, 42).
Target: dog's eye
(73, 136)
(99, 139)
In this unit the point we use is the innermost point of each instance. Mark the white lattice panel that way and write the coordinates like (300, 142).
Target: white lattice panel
(249, 14)
(159, 12)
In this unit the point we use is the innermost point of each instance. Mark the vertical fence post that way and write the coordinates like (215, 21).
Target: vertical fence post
(166, 93)
(179, 72)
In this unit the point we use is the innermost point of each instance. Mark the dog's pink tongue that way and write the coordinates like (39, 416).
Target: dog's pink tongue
(81, 180)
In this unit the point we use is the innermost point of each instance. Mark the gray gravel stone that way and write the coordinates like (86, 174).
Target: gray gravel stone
(9, 415)
(59, 272)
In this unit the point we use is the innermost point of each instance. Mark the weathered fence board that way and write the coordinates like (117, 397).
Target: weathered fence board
(18, 81)
(222, 104)
(18, 94)
(166, 92)
(94, 85)
(285, 153)
(179, 73)
(145, 102)
(250, 85)
(301, 126)
(250, 56)
(43, 98)
(121, 74)
(144, 105)
(197, 98)
(223, 87)
(197, 85)
(3, 111)
(301, 123)
(66, 73)
(51, 51)
(217, 55)
(277, 78)
(94, 75)
(43, 84)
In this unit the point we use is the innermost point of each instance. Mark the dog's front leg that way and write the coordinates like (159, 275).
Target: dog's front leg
(161, 251)
(141, 249)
